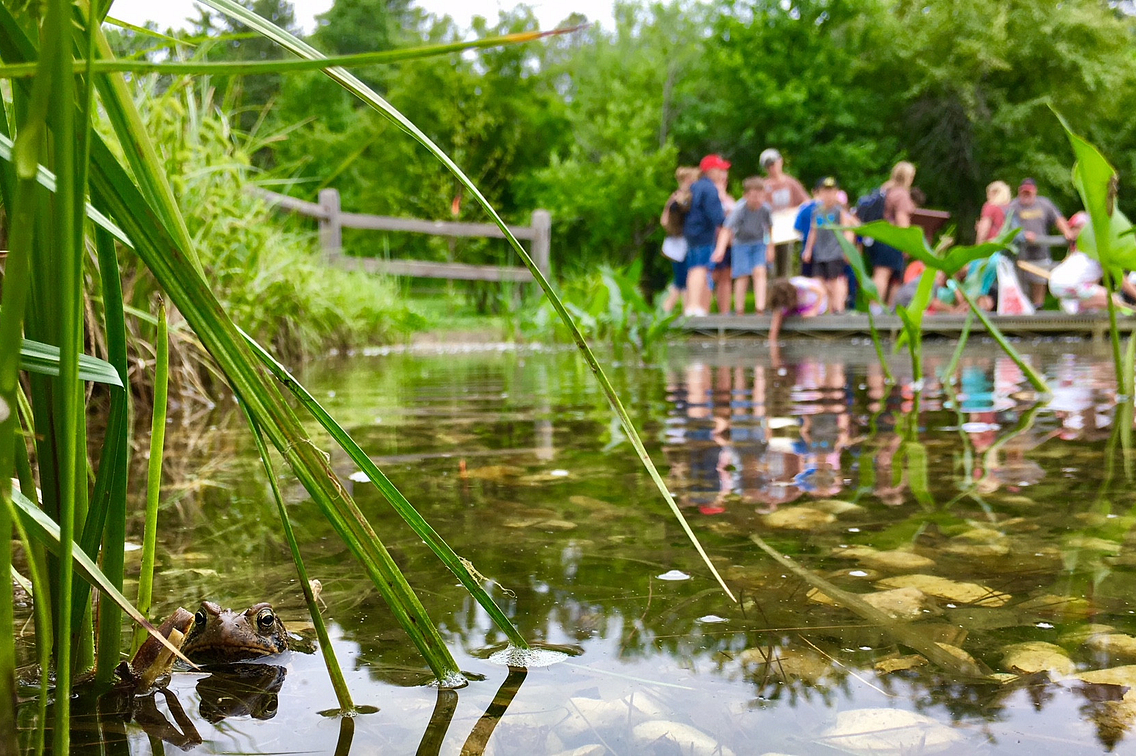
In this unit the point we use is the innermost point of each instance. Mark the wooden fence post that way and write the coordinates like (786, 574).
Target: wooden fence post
(542, 241)
(330, 227)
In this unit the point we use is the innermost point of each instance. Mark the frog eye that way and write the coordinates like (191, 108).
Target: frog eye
(199, 618)
(266, 620)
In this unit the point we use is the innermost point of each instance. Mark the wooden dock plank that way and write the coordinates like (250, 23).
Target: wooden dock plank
(856, 323)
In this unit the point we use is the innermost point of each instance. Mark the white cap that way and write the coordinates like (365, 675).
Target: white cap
(769, 157)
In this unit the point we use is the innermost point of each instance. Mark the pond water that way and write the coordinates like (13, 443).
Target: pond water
(991, 533)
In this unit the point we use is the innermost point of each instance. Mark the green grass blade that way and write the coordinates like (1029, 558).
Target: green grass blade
(356, 87)
(46, 179)
(903, 632)
(342, 693)
(154, 471)
(188, 290)
(67, 248)
(22, 224)
(399, 502)
(260, 67)
(37, 357)
(952, 366)
(113, 476)
(46, 532)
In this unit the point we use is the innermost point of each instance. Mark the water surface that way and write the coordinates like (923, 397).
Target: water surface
(995, 518)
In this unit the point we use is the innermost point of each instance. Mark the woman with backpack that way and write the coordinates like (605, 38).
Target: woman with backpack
(893, 203)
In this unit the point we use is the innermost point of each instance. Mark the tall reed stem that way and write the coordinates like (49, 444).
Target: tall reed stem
(342, 693)
(154, 472)
(1031, 375)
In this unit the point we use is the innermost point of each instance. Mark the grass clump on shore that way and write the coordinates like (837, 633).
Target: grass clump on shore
(265, 271)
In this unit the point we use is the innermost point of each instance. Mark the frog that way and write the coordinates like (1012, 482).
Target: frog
(222, 636)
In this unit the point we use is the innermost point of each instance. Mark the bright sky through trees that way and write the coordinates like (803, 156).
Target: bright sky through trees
(172, 13)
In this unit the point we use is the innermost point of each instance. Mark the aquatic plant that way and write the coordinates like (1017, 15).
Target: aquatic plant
(607, 304)
(49, 207)
(949, 259)
(133, 205)
(1108, 236)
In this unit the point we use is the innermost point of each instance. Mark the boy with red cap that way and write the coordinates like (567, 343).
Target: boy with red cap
(701, 228)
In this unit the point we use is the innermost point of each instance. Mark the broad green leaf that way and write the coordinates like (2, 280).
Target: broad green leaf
(1096, 181)
(909, 240)
(37, 357)
(46, 531)
(912, 241)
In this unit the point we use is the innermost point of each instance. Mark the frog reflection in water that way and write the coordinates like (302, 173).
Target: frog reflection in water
(222, 636)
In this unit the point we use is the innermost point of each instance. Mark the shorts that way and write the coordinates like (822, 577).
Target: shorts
(747, 258)
(881, 255)
(829, 270)
(678, 267)
(1038, 255)
(699, 256)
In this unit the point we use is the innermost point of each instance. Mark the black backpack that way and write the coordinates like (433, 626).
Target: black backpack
(870, 207)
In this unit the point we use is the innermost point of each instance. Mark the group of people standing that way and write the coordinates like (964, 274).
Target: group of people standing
(717, 245)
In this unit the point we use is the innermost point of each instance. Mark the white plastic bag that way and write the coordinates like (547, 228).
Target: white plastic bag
(674, 248)
(1012, 299)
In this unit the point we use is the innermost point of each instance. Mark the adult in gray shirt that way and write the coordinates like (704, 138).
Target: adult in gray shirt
(1035, 215)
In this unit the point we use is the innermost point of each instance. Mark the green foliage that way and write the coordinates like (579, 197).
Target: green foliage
(804, 77)
(608, 305)
(261, 271)
(606, 187)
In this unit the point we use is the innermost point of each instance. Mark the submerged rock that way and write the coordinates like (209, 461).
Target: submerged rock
(1080, 635)
(888, 732)
(949, 590)
(900, 603)
(797, 518)
(1037, 656)
(588, 750)
(682, 738)
(1116, 645)
(1051, 604)
(835, 506)
(785, 663)
(899, 664)
(887, 561)
(588, 714)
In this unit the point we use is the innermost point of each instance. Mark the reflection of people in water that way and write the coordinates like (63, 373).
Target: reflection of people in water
(708, 456)
(825, 426)
(1073, 401)
(825, 435)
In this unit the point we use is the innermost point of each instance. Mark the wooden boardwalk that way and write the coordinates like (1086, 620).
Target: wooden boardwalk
(1094, 325)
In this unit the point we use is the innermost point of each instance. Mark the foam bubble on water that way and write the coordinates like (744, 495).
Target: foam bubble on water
(559, 473)
(712, 619)
(529, 658)
(360, 477)
(453, 681)
(673, 575)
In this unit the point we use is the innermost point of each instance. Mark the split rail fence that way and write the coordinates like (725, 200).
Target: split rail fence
(332, 220)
